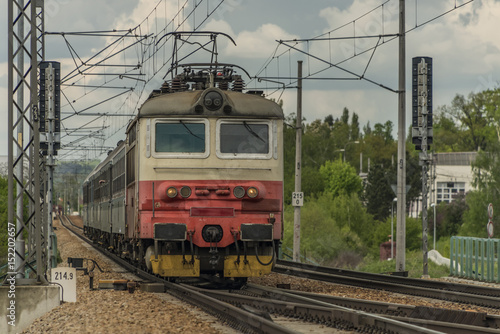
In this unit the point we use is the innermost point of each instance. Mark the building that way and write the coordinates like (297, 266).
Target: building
(452, 175)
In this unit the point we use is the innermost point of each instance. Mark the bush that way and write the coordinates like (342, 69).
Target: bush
(330, 229)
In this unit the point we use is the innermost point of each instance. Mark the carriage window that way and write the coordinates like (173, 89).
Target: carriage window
(180, 137)
(244, 138)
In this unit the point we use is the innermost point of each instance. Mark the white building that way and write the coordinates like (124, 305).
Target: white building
(452, 173)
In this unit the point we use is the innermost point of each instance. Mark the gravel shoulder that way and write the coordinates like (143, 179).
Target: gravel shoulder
(110, 311)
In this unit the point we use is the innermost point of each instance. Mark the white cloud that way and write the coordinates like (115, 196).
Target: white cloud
(259, 43)
(167, 15)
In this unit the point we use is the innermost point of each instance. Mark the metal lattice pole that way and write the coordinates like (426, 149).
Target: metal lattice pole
(25, 49)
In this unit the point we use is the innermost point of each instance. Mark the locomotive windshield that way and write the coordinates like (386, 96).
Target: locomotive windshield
(180, 137)
(244, 138)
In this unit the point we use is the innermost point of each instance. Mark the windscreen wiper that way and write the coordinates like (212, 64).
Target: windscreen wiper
(191, 132)
(249, 129)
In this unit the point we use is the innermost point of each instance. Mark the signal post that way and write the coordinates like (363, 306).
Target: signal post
(422, 134)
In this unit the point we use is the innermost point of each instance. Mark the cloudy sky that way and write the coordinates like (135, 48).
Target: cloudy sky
(462, 43)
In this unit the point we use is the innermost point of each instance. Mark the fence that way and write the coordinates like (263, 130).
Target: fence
(475, 258)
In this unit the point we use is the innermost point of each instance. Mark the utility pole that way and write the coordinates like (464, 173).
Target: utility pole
(298, 158)
(401, 184)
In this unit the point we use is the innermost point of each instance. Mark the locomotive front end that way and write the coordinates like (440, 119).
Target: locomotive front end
(208, 191)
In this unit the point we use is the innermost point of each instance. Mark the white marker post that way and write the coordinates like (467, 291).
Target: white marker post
(66, 277)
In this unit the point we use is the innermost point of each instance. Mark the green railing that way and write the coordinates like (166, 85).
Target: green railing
(475, 258)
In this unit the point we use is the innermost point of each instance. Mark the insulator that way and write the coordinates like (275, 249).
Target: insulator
(223, 85)
(177, 85)
(165, 88)
(238, 85)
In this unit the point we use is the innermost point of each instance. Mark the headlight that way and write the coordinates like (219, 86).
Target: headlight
(213, 101)
(185, 191)
(238, 192)
(171, 192)
(252, 192)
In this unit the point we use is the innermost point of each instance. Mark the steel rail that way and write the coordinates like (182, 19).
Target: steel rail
(368, 282)
(371, 306)
(326, 314)
(447, 286)
(449, 321)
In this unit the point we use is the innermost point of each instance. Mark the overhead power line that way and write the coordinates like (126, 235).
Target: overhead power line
(301, 46)
(136, 55)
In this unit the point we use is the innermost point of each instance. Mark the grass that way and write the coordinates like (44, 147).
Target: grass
(414, 266)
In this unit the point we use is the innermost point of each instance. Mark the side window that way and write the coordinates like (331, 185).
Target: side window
(244, 139)
(131, 165)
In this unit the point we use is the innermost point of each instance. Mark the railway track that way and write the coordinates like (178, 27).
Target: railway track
(249, 309)
(461, 293)
(237, 318)
(443, 320)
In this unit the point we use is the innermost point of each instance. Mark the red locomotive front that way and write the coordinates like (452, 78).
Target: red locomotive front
(207, 194)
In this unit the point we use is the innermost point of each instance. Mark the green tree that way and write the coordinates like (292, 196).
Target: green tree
(312, 182)
(384, 131)
(345, 116)
(379, 144)
(378, 192)
(486, 169)
(340, 178)
(451, 215)
(367, 129)
(473, 115)
(447, 135)
(476, 217)
(329, 120)
(355, 135)
(348, 211)
(413, 176)
(326, 233)
(318, 144)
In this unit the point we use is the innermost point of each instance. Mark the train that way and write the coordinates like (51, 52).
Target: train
(196, 187)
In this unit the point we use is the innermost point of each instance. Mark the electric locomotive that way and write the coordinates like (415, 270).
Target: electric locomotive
(197, 185)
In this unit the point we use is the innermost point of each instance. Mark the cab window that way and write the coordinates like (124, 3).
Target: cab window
(244, 139)
(180, 137)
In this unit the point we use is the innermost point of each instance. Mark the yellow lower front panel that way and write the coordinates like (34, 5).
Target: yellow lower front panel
(251, 269)
(173, 266)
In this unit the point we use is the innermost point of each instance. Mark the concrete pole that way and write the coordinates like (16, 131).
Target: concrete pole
(298, 150)
(401, 184)
(434, 223)
(360, 163)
